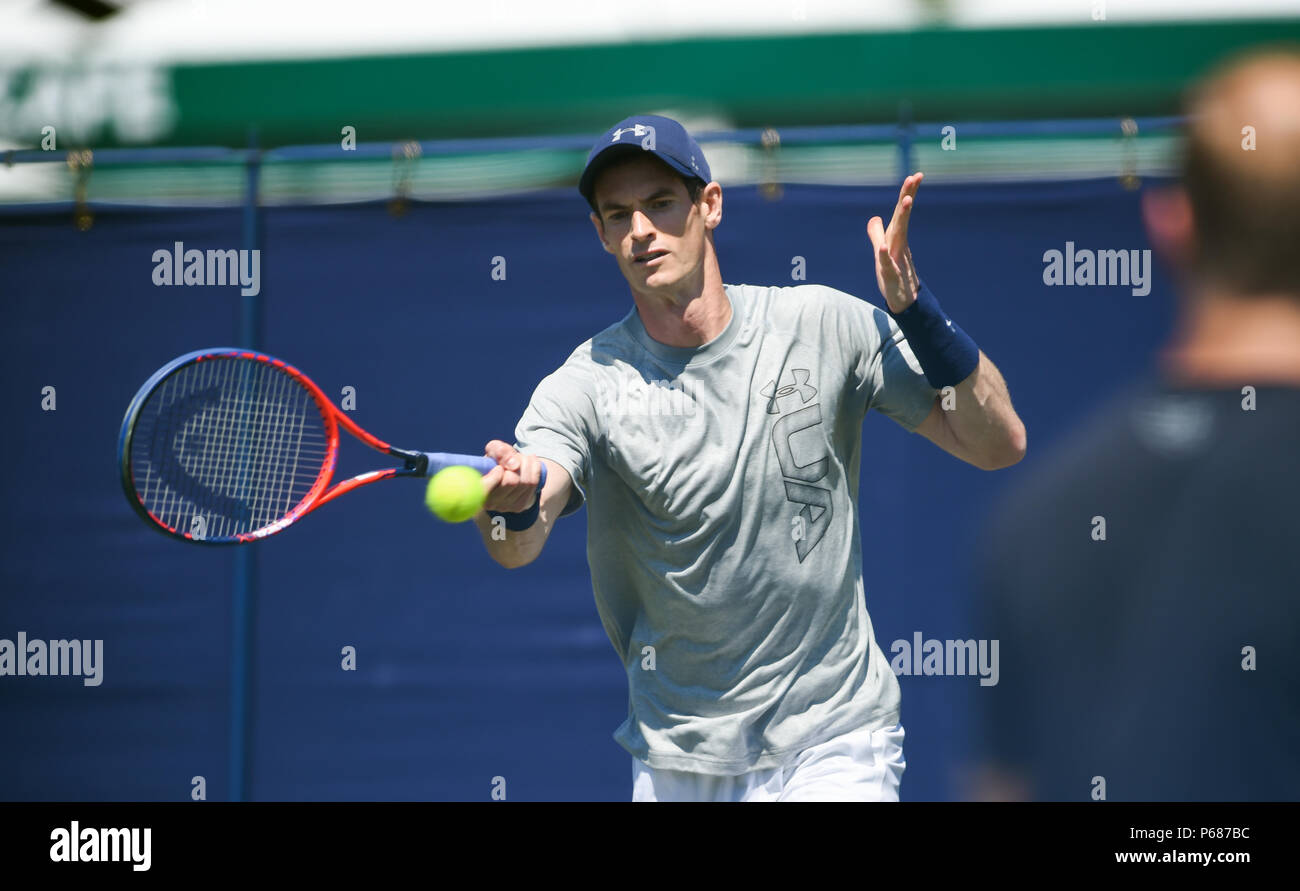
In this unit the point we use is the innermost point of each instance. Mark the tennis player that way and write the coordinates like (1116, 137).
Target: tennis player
(714, 433)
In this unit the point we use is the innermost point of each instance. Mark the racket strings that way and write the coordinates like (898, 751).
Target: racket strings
(227, 446)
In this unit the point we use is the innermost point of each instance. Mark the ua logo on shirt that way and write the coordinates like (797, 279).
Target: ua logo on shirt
(797, 416)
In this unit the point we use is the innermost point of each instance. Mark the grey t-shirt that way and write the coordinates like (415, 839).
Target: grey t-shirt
(722, 488)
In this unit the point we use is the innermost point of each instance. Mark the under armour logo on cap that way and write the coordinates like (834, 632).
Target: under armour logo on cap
(663, 137)
(637, 130)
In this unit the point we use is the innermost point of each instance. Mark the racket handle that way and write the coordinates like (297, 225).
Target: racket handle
(483, 464)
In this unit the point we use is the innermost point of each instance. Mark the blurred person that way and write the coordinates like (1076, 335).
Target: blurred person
(1162, 662)
(715, 435)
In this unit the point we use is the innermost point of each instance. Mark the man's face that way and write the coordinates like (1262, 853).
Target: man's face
(646, 220)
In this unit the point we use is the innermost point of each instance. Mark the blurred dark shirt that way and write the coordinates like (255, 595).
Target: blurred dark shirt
(1123, 658)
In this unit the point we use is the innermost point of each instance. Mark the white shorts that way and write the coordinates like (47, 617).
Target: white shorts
(858, 766)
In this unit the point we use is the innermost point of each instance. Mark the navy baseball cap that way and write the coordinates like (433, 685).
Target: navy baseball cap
(663, 137)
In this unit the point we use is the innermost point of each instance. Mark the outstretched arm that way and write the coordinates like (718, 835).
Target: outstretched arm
(975, 421)
(981, 428)
(512, 488)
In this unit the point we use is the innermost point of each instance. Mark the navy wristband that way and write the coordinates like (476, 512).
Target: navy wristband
(946, 353)
(522, 520)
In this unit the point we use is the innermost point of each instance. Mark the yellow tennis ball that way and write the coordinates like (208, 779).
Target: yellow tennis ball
(455, 494)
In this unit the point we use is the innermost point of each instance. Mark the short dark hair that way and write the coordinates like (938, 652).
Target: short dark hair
(694, 188)
(694, 185)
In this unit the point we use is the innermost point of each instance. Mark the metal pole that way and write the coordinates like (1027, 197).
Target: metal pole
(244, 595)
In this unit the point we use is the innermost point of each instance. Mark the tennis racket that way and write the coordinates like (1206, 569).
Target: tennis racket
(227, 446)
